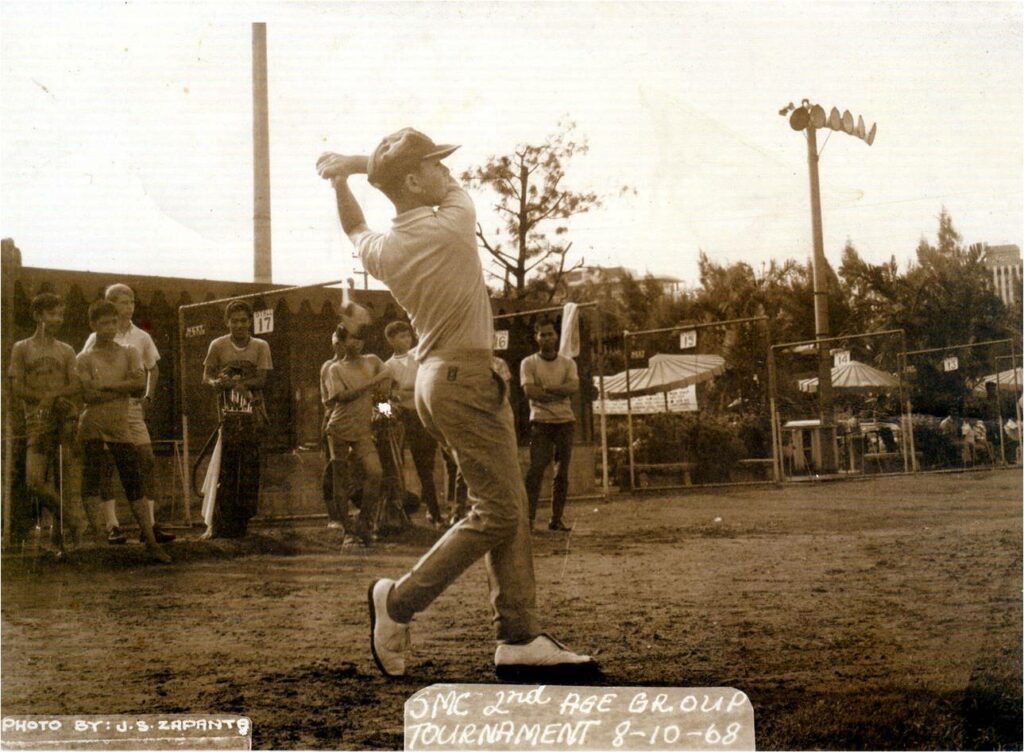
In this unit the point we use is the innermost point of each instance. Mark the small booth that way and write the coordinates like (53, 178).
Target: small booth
(802, 442)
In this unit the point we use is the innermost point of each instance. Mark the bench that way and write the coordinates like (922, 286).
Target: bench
(642, 471)
(883, 460)
(754, 468)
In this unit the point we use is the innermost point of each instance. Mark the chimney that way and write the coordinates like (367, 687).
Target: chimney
(262, 271)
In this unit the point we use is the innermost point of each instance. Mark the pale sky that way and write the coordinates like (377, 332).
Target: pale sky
(126, 141)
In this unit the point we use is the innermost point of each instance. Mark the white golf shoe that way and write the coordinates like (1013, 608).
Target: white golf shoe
(389, 639)
(543, 658)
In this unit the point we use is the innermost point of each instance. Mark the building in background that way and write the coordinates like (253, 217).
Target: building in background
(1003, 261)
(613, 275)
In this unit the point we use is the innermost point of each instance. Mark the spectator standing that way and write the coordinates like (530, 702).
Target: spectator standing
(44, 378)
(110, 374)
(1012, 431)
(349, 381)
(549, 381)
(967, 437)
(129, 335)
(422, 446)
(236, 367)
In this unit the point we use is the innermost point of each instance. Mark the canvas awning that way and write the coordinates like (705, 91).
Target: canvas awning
(855, 376)
(665, 373)
(1005, 380)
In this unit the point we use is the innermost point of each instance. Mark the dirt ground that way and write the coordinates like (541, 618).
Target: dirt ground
(879, 614)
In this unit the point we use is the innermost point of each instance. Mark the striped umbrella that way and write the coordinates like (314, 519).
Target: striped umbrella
(1006, 380)
(665, 373)
(854, 376)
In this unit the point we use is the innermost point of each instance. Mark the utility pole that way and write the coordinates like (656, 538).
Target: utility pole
(826, 414)
(262, 267)
(809, 118)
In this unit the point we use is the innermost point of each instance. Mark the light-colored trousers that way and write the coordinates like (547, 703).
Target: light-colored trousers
(464, 404)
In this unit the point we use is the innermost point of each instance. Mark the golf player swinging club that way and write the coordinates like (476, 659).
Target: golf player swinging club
(429, 261)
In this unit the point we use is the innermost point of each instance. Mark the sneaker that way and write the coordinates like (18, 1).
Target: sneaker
(389, 640)
(116, 536)
(335, 525)
(558, 526)
(542, 659)
(351, 541)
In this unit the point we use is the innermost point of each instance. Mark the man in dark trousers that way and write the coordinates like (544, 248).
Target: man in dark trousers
(549, 380)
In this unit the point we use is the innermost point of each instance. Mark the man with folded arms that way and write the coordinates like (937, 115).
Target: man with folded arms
(549, 381)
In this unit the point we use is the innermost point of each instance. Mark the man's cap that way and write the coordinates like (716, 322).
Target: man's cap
(400, 153)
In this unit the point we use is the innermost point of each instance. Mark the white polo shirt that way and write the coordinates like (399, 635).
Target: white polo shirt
(429, 261)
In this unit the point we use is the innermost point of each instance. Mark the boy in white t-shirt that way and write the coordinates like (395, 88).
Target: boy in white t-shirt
(236, 367)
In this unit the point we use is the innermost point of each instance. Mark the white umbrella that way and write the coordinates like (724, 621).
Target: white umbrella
(855, 376)
(1007, 380)
(665, 374)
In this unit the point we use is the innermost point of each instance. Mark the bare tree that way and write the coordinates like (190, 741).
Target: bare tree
(534, 205)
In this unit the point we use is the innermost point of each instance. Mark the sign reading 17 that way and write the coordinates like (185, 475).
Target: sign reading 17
(263, 321)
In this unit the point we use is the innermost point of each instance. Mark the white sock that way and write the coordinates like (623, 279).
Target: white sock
(109, 507)
(152, 506)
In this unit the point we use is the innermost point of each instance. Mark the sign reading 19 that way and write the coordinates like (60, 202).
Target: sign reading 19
(670, 734)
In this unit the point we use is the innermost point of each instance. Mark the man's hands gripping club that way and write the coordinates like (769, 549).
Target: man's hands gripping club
(337, 168)
(332, 166)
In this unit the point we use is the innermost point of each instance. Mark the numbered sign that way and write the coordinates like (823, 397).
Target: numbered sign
(688, 339)
(263, 321)
(501, 339)
(952, 363)
(840, 357)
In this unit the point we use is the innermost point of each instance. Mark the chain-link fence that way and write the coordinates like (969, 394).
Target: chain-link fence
(840, 406)
(692, 407)
(297, 324)
(966, 404)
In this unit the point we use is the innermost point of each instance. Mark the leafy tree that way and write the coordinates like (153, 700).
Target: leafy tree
(535, 206)
(943, 299)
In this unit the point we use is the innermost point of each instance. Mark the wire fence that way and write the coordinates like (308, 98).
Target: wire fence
(692, 406)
